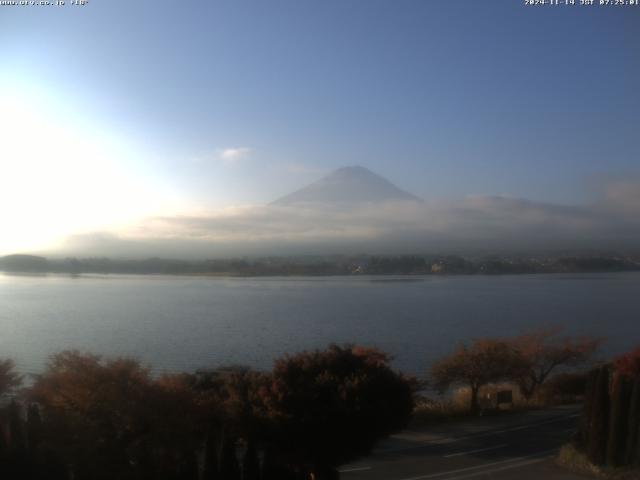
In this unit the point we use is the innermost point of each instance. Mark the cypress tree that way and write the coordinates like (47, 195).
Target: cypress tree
(212, 454)
(187, 466)
(251, 465)
(590, 389)
(635, 449)
(17, 452)
(3, 448)
(634, 424)
(635, 457)
(274, 468)
(229, 468)
(34, 431)
(16, 429)
(34, 428)
(619, 412)
(599, 419)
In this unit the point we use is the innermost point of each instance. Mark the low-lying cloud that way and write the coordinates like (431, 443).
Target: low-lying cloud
(469, 225)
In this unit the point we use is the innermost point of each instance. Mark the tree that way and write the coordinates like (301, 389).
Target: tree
(628, 364)
(598, 419)
(543, 352)
(619, 420)
(178, 420)
(332, 406)
(632, 453)
(9, 379)
(96, 412)
(237, 393)
(12, 444)
(483, 362)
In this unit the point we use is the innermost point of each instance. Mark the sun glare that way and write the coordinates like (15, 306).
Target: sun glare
(59, 177)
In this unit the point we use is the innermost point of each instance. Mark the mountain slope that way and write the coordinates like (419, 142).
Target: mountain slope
(348, 185)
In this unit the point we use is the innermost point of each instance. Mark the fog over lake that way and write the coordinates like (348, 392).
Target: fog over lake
(182, 323)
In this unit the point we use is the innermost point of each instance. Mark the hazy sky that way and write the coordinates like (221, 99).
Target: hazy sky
(121, 110)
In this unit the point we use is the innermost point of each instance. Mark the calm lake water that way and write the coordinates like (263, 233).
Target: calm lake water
(182, 323)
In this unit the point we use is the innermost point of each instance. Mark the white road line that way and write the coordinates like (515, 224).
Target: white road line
(459, 454)
(500, 469)
(540, 456)
(354, 469)
(432, 440)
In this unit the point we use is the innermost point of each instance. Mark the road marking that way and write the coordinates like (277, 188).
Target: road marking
(354, 469)
(432, 440)
(459, 454)
(484, 465)
(501, 469)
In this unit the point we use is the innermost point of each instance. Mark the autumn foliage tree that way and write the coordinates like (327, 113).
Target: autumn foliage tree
(628, 364)
(9, 379)
(12, 435)
(93, 411)
(237, 394)
(110, 419)
(482, 362)
(90, 418)
(332, 406)
(610, 430)
(544, 351)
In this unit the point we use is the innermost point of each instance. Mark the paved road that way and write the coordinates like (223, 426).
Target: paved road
(514, 446)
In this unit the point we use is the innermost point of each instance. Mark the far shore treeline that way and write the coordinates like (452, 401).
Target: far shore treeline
(327, 265)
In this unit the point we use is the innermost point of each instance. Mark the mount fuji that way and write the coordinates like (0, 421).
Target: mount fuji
(347, 186)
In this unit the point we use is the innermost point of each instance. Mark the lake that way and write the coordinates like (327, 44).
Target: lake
(182, 323)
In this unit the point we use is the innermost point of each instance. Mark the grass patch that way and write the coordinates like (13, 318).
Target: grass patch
(576, 461)
(430, 410)
(457, 406)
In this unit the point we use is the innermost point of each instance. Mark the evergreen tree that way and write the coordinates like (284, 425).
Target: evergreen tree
(589, 395)
(34, 429)
(229, 468)
(619, 415)
(17, 452)
(212, 452)
(631, 449)
(251, 467)
(599, 419)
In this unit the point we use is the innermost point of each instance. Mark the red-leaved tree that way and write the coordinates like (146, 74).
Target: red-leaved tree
(544, 351)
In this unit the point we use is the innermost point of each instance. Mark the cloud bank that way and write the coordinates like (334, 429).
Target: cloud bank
(475, 224)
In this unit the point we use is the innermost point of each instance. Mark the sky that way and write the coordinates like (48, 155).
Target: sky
(117, 116)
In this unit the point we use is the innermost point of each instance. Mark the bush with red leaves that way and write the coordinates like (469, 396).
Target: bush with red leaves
(628, 364)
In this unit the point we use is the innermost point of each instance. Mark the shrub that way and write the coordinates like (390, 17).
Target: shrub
(564, 388)
(628, 364)
(332, 406)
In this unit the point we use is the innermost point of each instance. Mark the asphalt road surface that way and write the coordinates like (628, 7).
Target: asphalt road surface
(517, 446)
